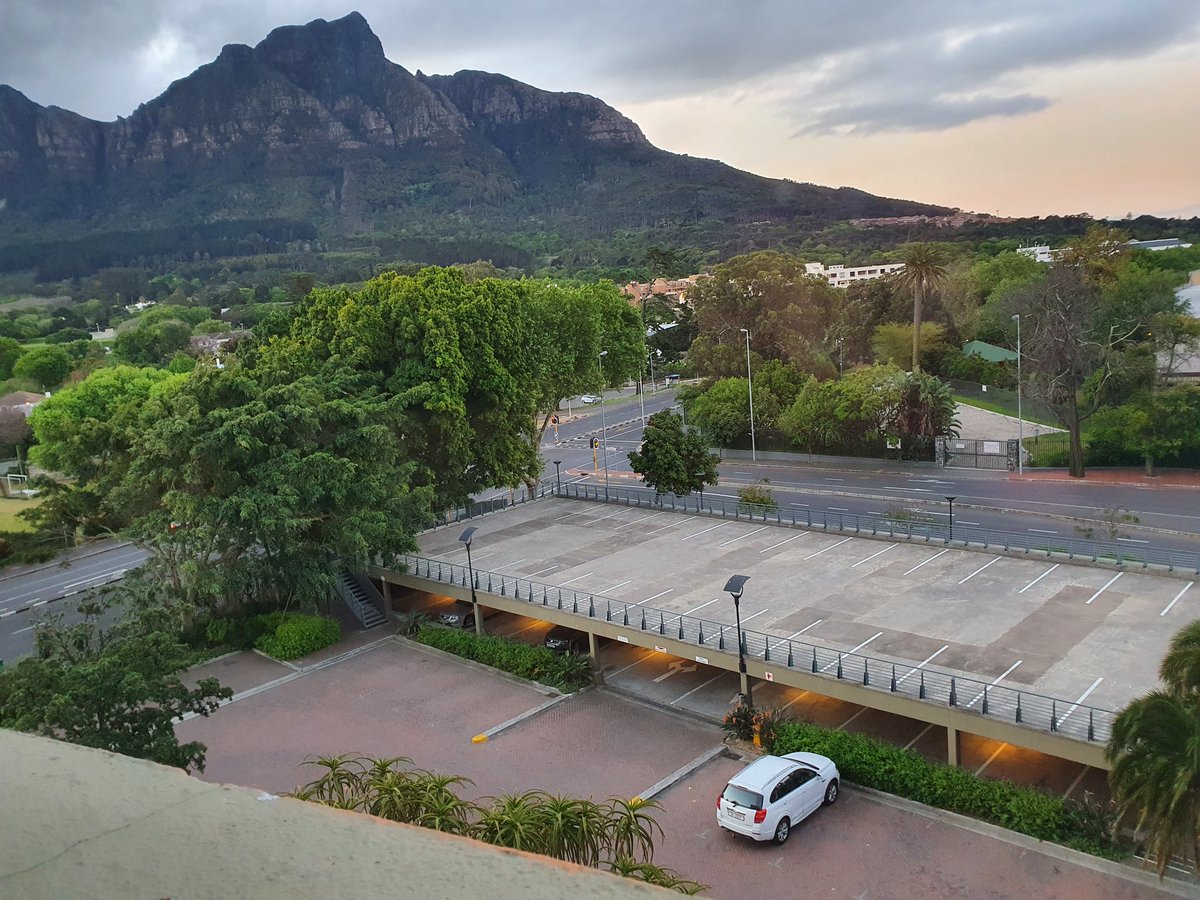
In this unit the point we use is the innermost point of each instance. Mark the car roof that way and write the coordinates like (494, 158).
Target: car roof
(762, 772)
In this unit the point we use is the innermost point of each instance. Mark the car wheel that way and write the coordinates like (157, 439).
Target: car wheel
(831, 793)
(782, 830)
(469, 623)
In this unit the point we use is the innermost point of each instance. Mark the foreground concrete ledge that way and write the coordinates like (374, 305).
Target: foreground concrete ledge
(79, 822)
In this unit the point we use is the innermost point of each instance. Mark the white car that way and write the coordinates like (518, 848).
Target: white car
(589, 398)
(772, 794)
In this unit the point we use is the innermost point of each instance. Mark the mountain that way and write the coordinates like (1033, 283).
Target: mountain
(315, 127)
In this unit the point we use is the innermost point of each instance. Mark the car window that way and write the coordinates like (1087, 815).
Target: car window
(742, 797)
(803, 776)
(785, 787)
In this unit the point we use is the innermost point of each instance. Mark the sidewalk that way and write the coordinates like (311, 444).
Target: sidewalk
(1168, 478)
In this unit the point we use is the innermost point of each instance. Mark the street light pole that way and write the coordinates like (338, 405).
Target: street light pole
(465, 538)
(734, 587)
(603, 422)
(1020, 418)
(951, 500)
(750, 385)
(558, 473)
(839, 345)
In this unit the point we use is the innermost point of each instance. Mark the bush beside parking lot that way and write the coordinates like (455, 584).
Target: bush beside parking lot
(297, 636)
(567, 671)
(894, 770)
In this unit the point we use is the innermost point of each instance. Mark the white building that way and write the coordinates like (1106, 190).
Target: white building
(841, 276)
(1042, 253)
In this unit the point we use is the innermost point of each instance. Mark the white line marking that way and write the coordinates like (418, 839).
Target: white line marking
(576, 578)
(1039, 578)
(873, 555)
(696, 609)
(1075, 783)
(1107, 585)
(736, 539)
(1041, 531)
(837, 509)
(993, 682)
(980, 569)
(799, 504)
(924, 731)
(1133, 541)
(23, 630)
(632, 664)
(990, 759)
(788, 541)
(797, 698)
(613, 588)
(665, 527)
(515, 562)
(931, 559)
(655, 597)
(705, 531)
(542, 571)
(922, 665)
(1082, 697)
(854, 649)
(641, 520)
(852, 718)
(965, 522)
(746, 619)
(830, 547)
(1177, 596)
(783, 641)
(693, 690)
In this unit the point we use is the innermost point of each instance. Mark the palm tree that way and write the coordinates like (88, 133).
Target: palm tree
(1154, 753)
(924, 271)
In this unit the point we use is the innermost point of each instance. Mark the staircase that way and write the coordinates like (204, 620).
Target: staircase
(362, 598)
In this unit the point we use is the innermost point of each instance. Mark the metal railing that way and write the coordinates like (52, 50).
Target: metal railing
(477, 508)
(1025, 543)
(1036, 711)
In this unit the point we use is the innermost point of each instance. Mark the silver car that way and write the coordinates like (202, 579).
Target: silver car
(772, 794)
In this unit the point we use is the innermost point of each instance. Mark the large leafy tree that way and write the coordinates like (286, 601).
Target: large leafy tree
(46, 366)
(924, 272)
(671, 460)
(1154, 754)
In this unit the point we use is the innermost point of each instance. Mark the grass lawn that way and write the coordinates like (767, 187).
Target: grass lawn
(9, 508)
(1003, 410)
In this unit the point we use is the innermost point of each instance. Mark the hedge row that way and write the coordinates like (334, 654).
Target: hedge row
(297, 635)
(567, 672)
(884, 767)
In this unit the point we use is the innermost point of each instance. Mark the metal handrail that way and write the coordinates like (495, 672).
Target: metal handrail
(1036, 711)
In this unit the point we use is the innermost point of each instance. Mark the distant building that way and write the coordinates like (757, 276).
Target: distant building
(672, 288)
(957, 220)
(1042, 253)
(842, 276)
(24, 401)
(1160, 244)
(987, 351)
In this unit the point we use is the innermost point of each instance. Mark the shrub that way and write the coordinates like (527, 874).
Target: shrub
(567, 671)
(739, 722)
(756, 498)
(297, 636)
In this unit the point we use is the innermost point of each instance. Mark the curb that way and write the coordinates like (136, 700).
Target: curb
(683, 772)
(483, 667)
(485, 736)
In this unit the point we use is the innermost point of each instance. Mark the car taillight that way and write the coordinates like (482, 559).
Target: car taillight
(760, 816)
(718, 802)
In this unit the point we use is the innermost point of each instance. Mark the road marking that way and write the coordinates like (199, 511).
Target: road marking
(800, 696)
(993, 682)
(990, 760)
(612, 515)
(23, 630)
(931, 559)
(632, 664)
(1133, 541)
(1107, 585)
(873, 555)
(980, 569)
(665, 527)
(924, 731)
(922, 665)
(1075, 783)
(788, 541)
(674, 668)
(696, 609)
(705, 531)
(1039, 578)
(576, 578)
(741, 473)
(837, 509)
(613, 588)
(830, 547)
(542, 571)
(853, 649)
(835, 479)
(655, 597)
(1177, 596)
(641, 520)
(736, 539)
(1082, 697)
(965, 522)
(746, 619)
(797, 634)
(693, 690)
(852, 718)
(516, 562)
(1042, 531)
(799, 504)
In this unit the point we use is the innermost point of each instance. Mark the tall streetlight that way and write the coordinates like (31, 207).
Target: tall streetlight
(603, 422)
(465, 538)
(750, 384)
(1020, 418)
(839, 346)
(734, 587)
(951, 500)
(557, 472)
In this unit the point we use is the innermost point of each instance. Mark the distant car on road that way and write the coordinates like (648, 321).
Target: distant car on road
(672, 379)
(589, 398)
(774, 793)
(562, 639)
(462, 615)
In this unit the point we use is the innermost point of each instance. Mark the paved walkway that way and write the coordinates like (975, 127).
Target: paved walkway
(985, 425)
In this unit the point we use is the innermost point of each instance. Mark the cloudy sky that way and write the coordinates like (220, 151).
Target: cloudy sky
(1001, 106)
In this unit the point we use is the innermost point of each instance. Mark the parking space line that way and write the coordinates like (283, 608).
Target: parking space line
(990, 759)
(931, 559)
(783, 641)
(873, 555)
(485, 736)
(641, 520)
(1082, 697)
(696, 609)
(800, 696)
(852, 718)
(612, 515)
(924, 731)
(830, 547)
(1107, 585)
(1075, 783)
(922, 665)
(1039, 578)
(980, 569)
(739, 537)
(649, 654)
(613, 588)
(693, 690)
(576, 578)
(852, 650)
(788, 541)
(1041, 530)
(705, 531)
(665, 527)
(746, 619)
(1177, 596)
(995, 680)
(515, 562)
(542, 571)
(655, 597)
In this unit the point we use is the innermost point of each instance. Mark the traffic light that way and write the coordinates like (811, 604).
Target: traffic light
(595, 442)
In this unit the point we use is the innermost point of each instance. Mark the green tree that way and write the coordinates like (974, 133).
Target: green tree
(671, 460)
(722, 412)
(892, 343)
(10, 350)
(924, 272)
(152, 344)
(1155, 763)
(47, 366)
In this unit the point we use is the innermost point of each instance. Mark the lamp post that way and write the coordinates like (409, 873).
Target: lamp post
(734, 587)
(465, 538)
(683, 413)
(557, 472)
(839, 346)
(951, 500)
(750, 385)
(1020, 418)
(603, 422)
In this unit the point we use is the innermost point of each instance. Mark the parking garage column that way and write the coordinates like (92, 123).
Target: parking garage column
(953, 745)
(389, 605)
(594, 653)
